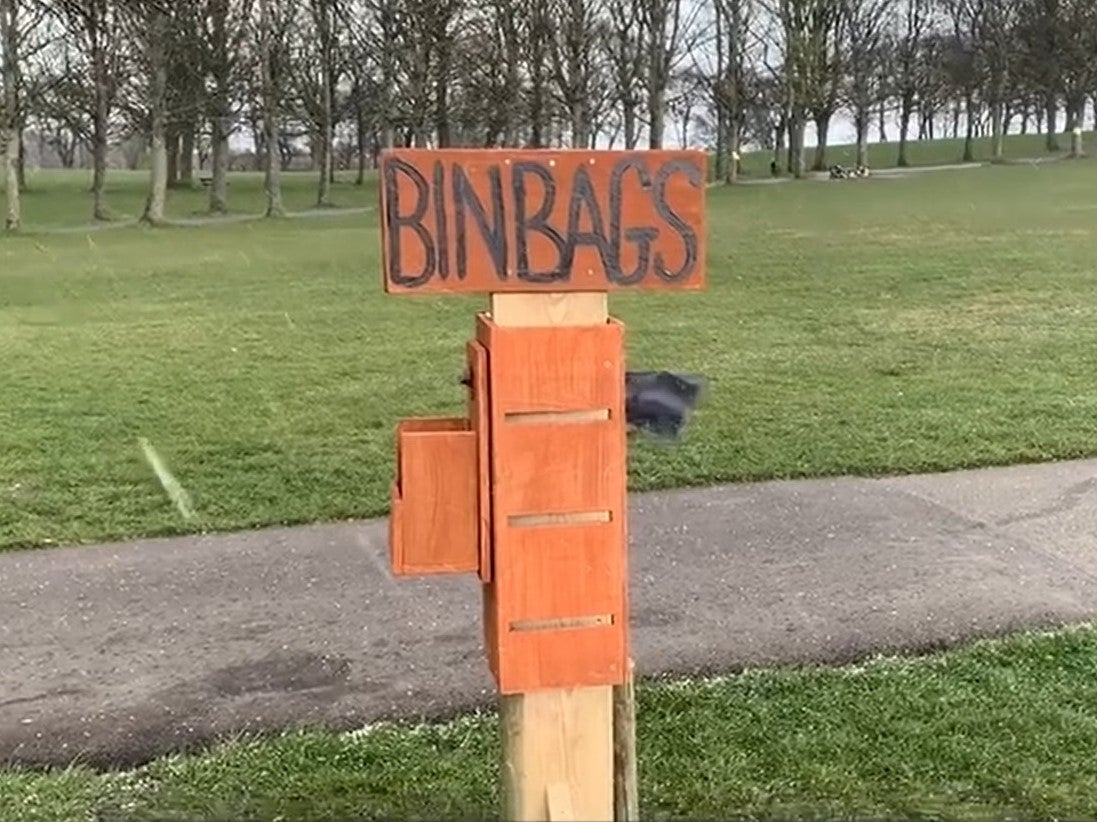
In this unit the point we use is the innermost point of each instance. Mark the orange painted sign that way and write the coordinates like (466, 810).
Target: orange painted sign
(469, 220)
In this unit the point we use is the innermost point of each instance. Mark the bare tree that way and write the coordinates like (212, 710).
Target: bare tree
(94, 25)
(997, 43)
(488, 95)
(809, 62)
(508, 38)
(865, 24)
(826, 70)
(963, 64)
(323, 19)
(148, 24)
(363, 101)
(225, 25)
(30, 38)
(271, 13)
(729, 84)
(10, 133)
(575, 55)
(915, 18)
(63, 104)
(665, 27)
(385, 44)
(186, 92)
(627, 56)
(1079, 62)
(539, 31)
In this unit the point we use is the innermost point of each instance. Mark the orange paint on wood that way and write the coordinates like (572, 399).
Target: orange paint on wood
(500, 220)
(529, 360)
(434, 522)
(480, 418)
(559, 500)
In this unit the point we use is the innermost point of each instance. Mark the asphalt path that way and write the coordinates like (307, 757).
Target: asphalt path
(113, 654)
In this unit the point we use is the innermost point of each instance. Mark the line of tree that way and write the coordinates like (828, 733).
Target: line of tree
(183, 79)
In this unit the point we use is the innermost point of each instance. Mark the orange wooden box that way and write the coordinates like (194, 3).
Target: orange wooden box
(434, 522)
(556, 607)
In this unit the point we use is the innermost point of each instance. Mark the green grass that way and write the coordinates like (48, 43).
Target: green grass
(1000, 729)
(933, 322)
(921, 152)
(62, 199)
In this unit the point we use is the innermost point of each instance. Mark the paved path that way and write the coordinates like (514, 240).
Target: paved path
(116, 653)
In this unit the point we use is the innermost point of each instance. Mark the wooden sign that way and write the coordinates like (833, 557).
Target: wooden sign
(542, 220)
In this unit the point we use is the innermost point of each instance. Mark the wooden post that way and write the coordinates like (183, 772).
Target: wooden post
(530, 490)
(557, 744)
(626, 788)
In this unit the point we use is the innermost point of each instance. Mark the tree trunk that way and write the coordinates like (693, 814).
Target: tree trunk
(100, 135)
(1051, 114)
(655, 20)
(360, 133)
(580, 133)
(272, 162)
(905, 111)
(158, 88)
(822, 128)
(796, 145)
(257, 144)
(324, 143)
(997, 130)
(779, 132)
(969, 130)
(173, 157)
(538, 111)
(441, 94)
(219, 161)
(734, 146)
(1075, 114)
(722, 149)
(861, 121)
(657, 115)
(186, 156)
(220, 103)
(9, 126)
(21, 159)
(632, 133)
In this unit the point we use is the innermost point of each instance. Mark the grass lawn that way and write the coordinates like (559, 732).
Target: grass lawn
(1001, 729)
(891, 325)
(936, 321)
(920, 152)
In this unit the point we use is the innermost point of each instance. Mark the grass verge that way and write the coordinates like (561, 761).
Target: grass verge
(999, 729)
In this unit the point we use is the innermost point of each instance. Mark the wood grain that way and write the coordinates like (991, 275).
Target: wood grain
(434, 522)
(553, 739)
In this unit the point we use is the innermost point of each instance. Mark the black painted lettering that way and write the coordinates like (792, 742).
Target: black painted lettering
(494, 233)
(582, 194)
(442, 233)
(641, 236)
(674, 220)
(538, 223)
(414, 221)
